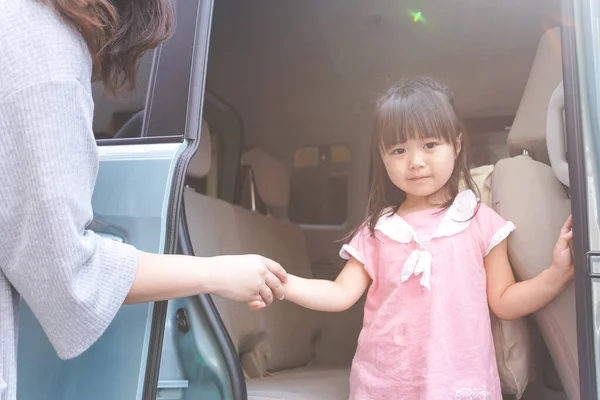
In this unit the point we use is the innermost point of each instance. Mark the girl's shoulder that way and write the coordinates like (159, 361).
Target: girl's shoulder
(478, 221)
(485, 216)
(467, 208)
(362, 243)
(491, 229)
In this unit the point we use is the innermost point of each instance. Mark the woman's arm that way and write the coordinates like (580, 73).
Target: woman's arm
(73, 280)
(509, 300)
(322, 295)
(247, 278)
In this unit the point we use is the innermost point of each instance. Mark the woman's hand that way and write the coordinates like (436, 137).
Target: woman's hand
(247, 278)
(253, 279)
(562, 256)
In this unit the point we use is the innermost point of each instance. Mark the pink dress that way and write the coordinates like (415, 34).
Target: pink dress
(426, 332)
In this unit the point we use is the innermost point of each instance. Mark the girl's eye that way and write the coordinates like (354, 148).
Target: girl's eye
(398, 151)
(430, 145)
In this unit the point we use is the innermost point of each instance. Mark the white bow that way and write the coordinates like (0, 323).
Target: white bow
(419, 262)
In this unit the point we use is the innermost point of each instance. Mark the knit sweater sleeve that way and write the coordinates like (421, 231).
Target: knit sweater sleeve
(73, 280)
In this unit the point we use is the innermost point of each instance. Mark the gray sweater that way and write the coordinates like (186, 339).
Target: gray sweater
(73, 280)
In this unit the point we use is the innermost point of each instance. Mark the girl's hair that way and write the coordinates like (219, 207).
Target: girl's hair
(118, 33)
(418, 108)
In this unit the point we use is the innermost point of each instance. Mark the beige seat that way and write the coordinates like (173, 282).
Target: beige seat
(308, 383)
(213, 231)
(270, 179)
(291, 331)
(276, 345)
(526, 191)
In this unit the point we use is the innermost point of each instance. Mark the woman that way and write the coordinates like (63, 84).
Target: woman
(74, 280)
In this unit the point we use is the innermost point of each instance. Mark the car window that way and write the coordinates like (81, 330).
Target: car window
(209, 185)
(122, 116)
(157, 108)
(319, 185)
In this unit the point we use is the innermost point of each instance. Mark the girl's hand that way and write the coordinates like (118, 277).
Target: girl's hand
(562, 256)
(510, 300)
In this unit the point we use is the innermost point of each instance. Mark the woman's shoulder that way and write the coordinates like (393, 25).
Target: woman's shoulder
(37, 45)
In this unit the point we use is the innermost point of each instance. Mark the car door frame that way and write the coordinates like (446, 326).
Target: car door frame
(572, 28)
(174, 114)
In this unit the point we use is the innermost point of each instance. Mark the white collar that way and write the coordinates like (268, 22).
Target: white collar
(457, 219)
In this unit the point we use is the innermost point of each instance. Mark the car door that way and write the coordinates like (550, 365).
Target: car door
(581, 61)
(137, 199)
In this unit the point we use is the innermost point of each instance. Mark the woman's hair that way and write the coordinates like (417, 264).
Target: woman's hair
(118, 33)
(415, 109)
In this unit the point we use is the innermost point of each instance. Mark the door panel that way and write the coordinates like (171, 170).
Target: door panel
(581, 41)
(137, 199)
(132, 197)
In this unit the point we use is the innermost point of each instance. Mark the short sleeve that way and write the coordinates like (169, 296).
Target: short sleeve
(492, 227)
(358, 246)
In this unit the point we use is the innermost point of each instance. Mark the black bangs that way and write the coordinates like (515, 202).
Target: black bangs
(419, 108)
(416, 110)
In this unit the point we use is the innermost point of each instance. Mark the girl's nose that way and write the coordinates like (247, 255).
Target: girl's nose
(416, 162)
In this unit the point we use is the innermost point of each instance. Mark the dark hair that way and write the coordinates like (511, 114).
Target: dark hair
(118, 33)
(418, 108)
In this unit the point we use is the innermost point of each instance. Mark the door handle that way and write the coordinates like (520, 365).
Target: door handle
(111, 237)
(108, 231)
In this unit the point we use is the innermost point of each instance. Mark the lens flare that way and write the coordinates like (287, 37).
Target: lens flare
(417, 16)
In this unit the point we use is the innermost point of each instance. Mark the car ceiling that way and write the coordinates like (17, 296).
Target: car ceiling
(309, 70)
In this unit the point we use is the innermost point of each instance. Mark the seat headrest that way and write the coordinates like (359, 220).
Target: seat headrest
(133, 126)
(201, 161)
(271, 177)
(528, 131)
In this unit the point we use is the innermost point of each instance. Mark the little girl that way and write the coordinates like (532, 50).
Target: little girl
(436, 260)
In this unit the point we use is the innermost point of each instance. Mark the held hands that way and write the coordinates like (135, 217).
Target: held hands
(252, 279)
(562, 256)
(256, 305)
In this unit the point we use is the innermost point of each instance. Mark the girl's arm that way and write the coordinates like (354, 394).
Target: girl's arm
(323, 295)
(509, 300)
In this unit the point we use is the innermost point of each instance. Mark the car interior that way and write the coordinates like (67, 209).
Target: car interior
(283, 166)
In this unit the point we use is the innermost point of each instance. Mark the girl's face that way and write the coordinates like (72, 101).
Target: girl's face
(420, 167)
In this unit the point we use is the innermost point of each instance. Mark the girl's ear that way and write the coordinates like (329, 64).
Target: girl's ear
(458, 145)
